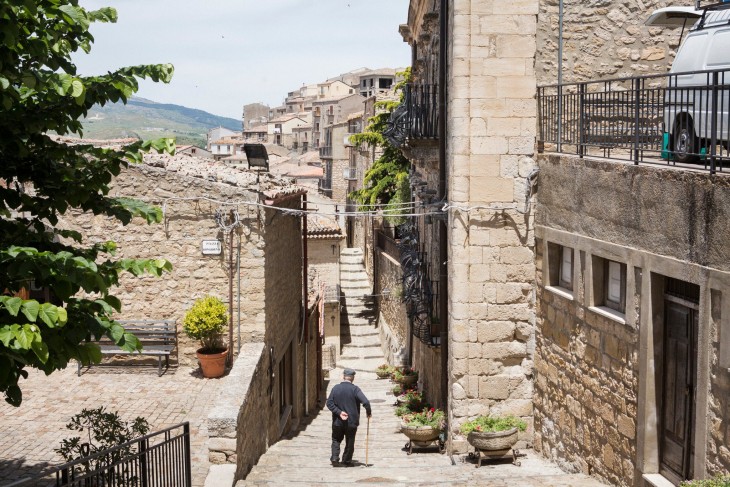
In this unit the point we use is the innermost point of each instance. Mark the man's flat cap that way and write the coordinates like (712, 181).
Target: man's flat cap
(349, 373)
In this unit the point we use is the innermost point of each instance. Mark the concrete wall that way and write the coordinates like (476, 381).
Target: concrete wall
(491, 123)
(597, 377)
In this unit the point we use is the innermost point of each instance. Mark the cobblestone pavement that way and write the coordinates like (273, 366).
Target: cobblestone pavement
(303, 459)
(29, 434)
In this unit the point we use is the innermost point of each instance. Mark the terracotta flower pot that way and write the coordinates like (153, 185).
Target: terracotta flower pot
(212, 364)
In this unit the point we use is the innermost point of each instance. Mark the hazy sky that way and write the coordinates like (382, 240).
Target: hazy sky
(231, 52)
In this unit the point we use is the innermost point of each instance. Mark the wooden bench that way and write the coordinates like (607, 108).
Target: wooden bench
(158, 338)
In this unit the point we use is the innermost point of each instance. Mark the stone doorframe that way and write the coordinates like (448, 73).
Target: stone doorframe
(651, 326)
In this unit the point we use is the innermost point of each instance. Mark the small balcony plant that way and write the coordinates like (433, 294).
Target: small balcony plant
(205, 322)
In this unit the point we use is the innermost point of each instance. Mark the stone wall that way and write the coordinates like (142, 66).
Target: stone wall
(393, 321)
(604, 39)
(598, 392)
(491, 126)
(237, 433)
(586, 386)
(178, 239)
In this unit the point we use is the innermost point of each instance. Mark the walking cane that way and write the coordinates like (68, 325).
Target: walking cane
(367, 438)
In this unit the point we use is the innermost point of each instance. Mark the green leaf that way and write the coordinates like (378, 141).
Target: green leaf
(30, 309)
(114, 302)
(41, 350)
(117, 332)
(131, 343)
(48, 313)
(24, 338)
(7, 334)
(13, 305)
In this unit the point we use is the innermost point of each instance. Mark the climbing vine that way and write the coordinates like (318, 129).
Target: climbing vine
(386, 182)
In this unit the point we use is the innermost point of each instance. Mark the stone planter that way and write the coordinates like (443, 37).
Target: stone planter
(421, 434)
(382, 374)
(493, 440)
(212, 365)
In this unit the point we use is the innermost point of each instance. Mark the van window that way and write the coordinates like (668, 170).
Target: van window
(689, 57)
(719, 53)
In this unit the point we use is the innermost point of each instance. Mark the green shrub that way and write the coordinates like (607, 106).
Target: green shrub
(205, 321)
(719, 481)
(102, 430)
(492, 424)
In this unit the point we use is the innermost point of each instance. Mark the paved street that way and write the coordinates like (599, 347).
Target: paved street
(29, 434)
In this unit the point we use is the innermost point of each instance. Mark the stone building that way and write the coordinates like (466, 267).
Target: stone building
(568, 299)
(260, 266)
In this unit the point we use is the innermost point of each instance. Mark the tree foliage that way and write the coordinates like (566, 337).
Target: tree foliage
(386, 182)
(42, 178)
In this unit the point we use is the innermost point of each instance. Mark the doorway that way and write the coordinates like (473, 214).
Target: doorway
(679, 372)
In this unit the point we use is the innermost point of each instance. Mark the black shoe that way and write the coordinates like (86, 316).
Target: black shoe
(334, 461)
(347, 464)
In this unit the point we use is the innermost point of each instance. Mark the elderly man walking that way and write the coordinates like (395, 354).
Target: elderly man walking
(344, 402)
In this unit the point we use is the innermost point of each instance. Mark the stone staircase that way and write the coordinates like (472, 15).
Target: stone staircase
(302, 458)
(359, 338)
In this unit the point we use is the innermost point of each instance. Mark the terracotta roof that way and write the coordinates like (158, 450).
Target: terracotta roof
(321, 227)
(227, 141)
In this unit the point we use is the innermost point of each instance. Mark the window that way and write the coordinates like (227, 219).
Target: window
(560, 266)
(615, 285)
(609, 287)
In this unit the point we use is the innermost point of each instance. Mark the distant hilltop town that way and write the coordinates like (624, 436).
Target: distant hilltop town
(311, 128)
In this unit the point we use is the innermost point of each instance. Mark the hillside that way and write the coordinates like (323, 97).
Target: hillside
(146, 119)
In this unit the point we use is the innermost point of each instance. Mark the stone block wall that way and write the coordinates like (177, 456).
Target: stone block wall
(392, 321)
(604, 39)
(237, 433)
(491, 126)
(178, 239)
(586, 386)
(598, 383)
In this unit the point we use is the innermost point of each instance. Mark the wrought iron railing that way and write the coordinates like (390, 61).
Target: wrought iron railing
(668, 119)
(158, 459)
(416, 117)
(325, 151)
(423, 112)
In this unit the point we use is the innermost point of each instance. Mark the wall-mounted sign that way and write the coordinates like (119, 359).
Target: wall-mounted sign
(211, 247)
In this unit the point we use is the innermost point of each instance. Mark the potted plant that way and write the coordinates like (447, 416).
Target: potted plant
(411, 399)
(384, 371)
(493, 432)
(405, 376)
(205, 321)
(422, 427)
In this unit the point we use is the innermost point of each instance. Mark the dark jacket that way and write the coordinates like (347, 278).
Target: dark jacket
(347, 397)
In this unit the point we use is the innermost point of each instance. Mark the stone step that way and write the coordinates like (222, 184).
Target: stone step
(351, 251)
(352, 259)
(366, 341)
(351, 267)
(359, 276)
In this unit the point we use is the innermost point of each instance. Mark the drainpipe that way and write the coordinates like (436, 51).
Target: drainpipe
(305, 304)
(230, 292)
(443, 231)
(560, 77)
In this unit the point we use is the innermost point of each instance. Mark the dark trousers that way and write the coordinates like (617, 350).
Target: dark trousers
(348, 433)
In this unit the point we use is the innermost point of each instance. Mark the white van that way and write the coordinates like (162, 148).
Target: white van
(690, 96)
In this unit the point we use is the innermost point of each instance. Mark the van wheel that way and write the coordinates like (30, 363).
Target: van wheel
(685, 142)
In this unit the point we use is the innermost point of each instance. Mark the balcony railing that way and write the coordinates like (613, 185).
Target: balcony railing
(417, 117)
(161, 458)
(325, 151)
(667, 119)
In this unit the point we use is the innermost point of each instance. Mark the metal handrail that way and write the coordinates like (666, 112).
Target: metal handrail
(146, 463)
(662, 118)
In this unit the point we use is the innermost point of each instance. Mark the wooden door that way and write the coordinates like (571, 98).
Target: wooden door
(680, 357)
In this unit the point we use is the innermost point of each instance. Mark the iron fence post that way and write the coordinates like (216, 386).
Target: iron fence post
(581, 118)
(637, 111)
(713, 123)
(188, 467)
(560, 118)
(143, 462)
